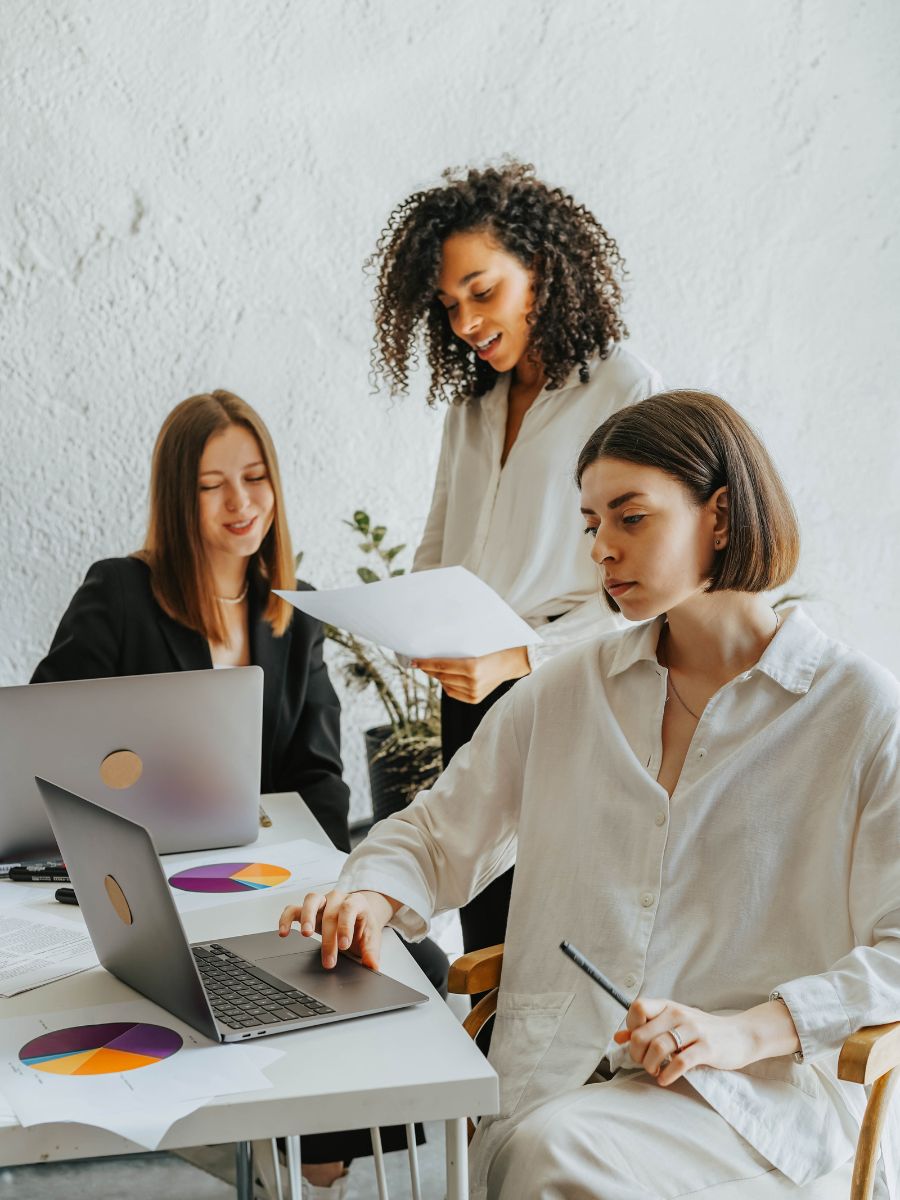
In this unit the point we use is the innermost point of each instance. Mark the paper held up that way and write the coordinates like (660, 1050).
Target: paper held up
(444, 613)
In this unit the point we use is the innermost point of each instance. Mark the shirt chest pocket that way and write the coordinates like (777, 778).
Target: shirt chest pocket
(524, 1029)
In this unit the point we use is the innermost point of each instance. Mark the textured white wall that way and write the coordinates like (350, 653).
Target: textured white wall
(189, 191)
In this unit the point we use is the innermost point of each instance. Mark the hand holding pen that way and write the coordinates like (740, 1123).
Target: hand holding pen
(667, 1038)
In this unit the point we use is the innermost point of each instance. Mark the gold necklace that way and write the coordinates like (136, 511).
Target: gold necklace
(670, 682)
(235, 599)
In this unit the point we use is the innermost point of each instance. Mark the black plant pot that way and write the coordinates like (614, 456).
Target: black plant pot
(387, 778)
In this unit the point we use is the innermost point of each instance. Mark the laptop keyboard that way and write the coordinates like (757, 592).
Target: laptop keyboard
(242, 995)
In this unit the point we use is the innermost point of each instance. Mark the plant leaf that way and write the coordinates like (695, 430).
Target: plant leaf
(393, 552)
(361, 520)
(378, 534)
(367, 575)
(397, 571)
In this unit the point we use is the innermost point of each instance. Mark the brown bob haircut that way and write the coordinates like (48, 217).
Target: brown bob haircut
(702, 442)
(173, 549)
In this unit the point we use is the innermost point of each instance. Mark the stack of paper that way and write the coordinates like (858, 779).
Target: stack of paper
(37, 947)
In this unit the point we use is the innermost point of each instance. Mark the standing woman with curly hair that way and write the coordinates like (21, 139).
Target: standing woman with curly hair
(515, 289)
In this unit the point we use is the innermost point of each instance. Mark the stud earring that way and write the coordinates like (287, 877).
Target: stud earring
(717, 541)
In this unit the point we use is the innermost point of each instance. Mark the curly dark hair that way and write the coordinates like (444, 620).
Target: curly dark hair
(577, 279)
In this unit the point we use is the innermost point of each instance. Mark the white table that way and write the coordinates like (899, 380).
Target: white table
(417, 1064)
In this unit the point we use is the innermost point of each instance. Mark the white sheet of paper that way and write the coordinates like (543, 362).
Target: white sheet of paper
(13, 895)
(37, 947)
(141, 1104)
(312, 867)
(445, 613)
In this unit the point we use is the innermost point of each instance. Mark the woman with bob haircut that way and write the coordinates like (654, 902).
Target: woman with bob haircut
(198, 595)
(707, 804)
(515, 289)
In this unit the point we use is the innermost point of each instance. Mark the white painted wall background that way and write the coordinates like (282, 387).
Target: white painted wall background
(189, 191)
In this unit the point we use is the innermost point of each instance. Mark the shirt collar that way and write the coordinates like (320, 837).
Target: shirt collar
(637, 644)
(793, 655)
(573, 379)
(790, 659)
(500, 391)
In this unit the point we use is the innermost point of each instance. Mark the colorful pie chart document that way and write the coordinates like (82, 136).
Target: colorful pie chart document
(131, 1068)
(215, 877)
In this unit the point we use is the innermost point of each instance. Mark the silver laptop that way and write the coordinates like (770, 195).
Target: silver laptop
(229, 990)
(179, 753)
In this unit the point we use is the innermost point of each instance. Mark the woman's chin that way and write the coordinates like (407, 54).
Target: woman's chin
(637, 610)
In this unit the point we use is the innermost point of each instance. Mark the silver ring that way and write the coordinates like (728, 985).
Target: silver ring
(677, 1039)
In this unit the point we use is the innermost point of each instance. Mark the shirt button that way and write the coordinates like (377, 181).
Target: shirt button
(701, 753)
(660, 818)
(629, 981)
(648, 900)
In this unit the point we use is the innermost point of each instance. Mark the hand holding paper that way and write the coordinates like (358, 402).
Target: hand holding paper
(469, 680)
(445, 613)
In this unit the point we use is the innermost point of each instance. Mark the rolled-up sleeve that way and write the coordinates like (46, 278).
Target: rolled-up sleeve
(863, 987)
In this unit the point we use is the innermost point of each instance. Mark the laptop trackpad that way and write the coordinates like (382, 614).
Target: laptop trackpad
(349, 987)
(254, 946)
(298, 961)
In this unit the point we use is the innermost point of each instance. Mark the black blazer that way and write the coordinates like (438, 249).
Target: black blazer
(113, 626)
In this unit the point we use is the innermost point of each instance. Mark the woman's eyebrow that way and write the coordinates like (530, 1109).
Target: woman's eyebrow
(617, 503)
(215, 470)
(465, 279)
(620, 500)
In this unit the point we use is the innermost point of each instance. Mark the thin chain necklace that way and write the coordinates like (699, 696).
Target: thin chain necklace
(670, 682)
(236, 599)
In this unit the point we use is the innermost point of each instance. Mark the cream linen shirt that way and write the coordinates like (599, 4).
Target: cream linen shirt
(775, 867)
(518, 527)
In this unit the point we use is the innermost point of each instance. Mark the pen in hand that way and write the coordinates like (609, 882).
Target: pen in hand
(598, 977)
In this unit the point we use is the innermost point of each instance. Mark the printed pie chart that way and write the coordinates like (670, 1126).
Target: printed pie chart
(230, 877)
(100, 1049)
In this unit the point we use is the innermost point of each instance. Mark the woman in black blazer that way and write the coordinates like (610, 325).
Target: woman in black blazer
(199, 594)
(115, 626)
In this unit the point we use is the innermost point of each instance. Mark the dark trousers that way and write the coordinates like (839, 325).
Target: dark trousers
(483, 919)
(346, 1144)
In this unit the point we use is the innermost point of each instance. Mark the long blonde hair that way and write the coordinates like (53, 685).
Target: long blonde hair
(173, 548)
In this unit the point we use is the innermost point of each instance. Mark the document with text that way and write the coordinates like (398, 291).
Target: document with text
(37, 947)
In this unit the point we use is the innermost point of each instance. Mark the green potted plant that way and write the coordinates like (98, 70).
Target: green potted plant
(403, 753)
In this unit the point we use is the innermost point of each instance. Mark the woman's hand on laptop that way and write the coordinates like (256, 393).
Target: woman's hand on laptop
(351, 921)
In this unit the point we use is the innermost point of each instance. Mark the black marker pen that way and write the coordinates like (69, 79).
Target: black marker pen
(598, 977)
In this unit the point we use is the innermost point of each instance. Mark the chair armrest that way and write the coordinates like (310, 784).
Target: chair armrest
(870, 1053)
(476, 972)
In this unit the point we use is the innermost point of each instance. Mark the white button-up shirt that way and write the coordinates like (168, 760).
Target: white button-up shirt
(774, 867)
(517, 527)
